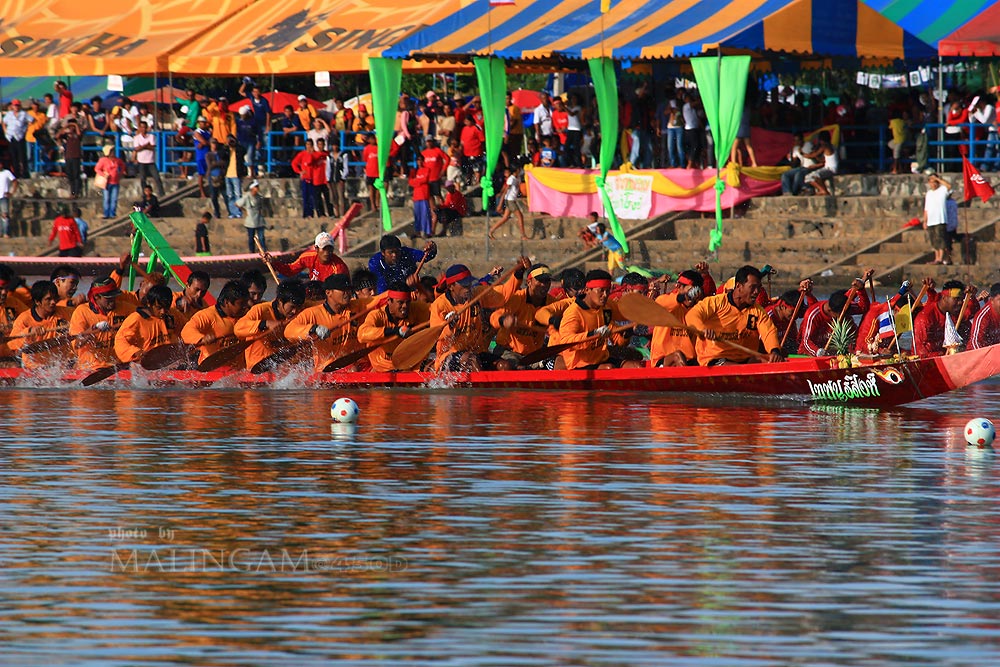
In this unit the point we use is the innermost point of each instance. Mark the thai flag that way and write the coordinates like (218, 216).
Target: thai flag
(886, 325)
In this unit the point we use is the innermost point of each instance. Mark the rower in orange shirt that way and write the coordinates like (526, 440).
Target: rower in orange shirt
(591, 314)
(390, 324)
(671, 346)
(572, 284)
(43, 321)
(329, 325)
(734, 315)
(94, 324)
(67, 280)
(192, 298)
(153, 324)
(271, 316)
(517, 332)
(211, 329)
(463, 343)
(11, 306)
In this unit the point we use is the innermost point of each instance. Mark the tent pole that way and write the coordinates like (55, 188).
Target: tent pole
(170, 82)
(940, 101)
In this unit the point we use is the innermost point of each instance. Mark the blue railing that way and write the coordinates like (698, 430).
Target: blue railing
(276, 154)
(866, 149)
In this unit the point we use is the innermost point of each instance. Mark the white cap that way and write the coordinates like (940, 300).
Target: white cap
(254, 184)
(245, 110)
(323, 239)
(302, 97)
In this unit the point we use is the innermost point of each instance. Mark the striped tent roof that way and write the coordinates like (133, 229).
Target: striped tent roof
(635, 29)
(979, 37)
(930, 20)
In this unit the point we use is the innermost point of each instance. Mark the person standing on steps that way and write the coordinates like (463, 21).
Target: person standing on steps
(510, 203)
(252, 204)
(936, 217)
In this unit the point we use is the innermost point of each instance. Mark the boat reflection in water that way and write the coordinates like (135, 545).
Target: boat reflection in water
(470, 526)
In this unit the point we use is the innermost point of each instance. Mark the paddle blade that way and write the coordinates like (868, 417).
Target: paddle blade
(544, 353)
(46, 345)
(415, 349)
(282, 356)
(348, 359)
(163, 356)
(227, 356)
(641, 309)
(102, 374)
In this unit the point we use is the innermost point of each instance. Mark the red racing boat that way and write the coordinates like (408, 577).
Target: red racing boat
(881, 383)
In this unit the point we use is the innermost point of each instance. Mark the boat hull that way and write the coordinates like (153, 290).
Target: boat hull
(873, 385)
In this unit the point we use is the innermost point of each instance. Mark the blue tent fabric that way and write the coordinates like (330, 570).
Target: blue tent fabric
(930, 21)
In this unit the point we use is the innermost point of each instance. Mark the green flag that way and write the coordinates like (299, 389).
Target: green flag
(386, 75)
(602, 71)
(492, 75)
(722, 83)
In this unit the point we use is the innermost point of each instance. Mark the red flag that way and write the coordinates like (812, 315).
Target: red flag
(973, 182)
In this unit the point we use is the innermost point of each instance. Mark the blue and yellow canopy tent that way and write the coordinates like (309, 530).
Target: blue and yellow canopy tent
(930, 20)
(602, 31)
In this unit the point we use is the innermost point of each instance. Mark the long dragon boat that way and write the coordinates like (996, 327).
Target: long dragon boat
(846, 381)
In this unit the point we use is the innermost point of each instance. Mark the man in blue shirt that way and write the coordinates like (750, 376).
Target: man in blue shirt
(396, 263)
(261, 117)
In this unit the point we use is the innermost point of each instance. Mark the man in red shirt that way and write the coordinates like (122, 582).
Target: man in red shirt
(820, 316)
(320, 262)
(369, 155)
(321, 189)
(302, 165)
(70, 241)
(986, 325)
(928, 325)
(436, 161)
(473, 141)
(422, 210)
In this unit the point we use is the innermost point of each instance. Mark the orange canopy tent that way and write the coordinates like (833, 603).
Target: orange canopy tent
(301, 36)
(64, 38)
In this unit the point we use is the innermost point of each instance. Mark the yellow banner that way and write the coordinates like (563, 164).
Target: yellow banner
(573, 182)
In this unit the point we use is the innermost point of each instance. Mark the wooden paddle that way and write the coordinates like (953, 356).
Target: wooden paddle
(284, 354)
(267, 261)
(850, 297)
(965, 307)
(228, 355)
(4, 339)
(103, 374)
(643, 310)
(552, 350)
(163, 356)
(417, 346)
(791, 322)
(357, 355)
(47, 344)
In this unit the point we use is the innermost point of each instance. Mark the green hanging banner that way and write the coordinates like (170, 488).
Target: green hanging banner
(722, 83)
(492, 75)
(602, 71)
(386, 75)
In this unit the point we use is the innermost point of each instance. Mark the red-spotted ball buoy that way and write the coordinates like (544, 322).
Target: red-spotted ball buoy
(344, 410)
(980, 432)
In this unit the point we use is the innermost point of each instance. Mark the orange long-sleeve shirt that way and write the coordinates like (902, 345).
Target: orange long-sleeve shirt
(374, 329)
(526, 336)
(97, 350)
(209, 320)
(554, 311)
(470, 332)
(748, 327)
(29, 320)
(254, 323)
(578, 324)
(9, 310)
(343, 333)
(141, 332)
(667, 340)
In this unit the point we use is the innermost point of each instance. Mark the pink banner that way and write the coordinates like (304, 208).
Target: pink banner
(542, 199)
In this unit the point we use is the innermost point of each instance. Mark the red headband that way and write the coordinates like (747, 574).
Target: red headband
(684, 280)
(98, 291)
(399, 296)
(598, 284)
(462, 275)
(3, 283)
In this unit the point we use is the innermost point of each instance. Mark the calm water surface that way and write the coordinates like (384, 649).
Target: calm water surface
(223, 527)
